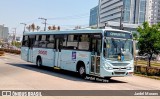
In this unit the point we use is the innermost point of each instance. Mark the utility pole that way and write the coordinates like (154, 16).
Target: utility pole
(24, 27)
(14, 34)
(121, 18)
(45, 22)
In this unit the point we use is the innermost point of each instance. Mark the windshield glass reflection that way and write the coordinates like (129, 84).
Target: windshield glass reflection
(116, 49)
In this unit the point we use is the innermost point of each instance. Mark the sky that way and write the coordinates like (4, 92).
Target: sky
(64, 13)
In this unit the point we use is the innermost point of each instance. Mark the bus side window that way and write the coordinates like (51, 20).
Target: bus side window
(51, 41)
(25, 42)
(65, 41)
(84, 43)
(43, 41)
(37, 41)
(72, 42)
(31, 41)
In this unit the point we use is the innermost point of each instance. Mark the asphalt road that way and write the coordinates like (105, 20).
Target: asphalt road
(16, 74)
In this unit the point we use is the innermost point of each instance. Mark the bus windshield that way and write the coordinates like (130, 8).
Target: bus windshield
(118, 47)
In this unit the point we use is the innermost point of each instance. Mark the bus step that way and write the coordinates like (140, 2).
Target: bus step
(94, 74)
(56, 67)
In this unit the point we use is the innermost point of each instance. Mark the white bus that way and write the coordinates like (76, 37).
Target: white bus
(103, 53)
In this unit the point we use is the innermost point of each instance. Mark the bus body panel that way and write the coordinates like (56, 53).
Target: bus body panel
(70, 58)
(85, 57)
(24, 54)
(30, 54)
(47, 56)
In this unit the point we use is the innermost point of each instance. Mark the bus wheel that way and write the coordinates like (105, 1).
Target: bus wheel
(39, 62)
(81, 71)
(107, 78)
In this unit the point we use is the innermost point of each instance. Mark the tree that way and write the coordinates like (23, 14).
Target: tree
(49, 28)
(38, 28)
(33, 27)
(149, 40)
(77, 27)
(53, 27)
(135, 36)
(15, 43)
(58, 28)
(28, 28)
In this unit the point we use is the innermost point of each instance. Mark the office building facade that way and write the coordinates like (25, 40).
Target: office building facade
(4, 32)
(94, 17)
(129, 11)
(153, 11)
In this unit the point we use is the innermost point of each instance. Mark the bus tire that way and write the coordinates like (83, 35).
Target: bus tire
(39, 62)
(107, 78)
(82, 71)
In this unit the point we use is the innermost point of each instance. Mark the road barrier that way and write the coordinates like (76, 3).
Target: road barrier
(145, 70)
(10, 51)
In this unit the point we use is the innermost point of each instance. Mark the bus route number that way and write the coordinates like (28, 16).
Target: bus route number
(42, 52)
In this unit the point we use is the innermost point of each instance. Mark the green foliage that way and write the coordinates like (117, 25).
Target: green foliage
(1, 43)
(93, 27)
(135, 36)
(17, 44)
(149, 40)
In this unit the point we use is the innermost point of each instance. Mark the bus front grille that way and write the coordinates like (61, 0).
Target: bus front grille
(119, 73)
(119, 64)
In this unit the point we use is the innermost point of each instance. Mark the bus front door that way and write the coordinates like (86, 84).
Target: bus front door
(59, 43)
(95, 56)
(30, 50)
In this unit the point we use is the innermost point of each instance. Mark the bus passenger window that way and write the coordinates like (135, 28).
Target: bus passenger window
(83, 42)
(37, 41)
(51, 42)
(43, 41)
(72, 42)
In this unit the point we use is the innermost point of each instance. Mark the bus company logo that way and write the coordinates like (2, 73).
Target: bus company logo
(42, 52)
(73, 55)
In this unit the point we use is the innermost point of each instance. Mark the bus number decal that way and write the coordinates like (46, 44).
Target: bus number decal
(42, 52)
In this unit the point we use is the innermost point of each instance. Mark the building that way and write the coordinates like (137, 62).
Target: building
(140, 11)
(93, 17)
(4, 32)
(153, 11)
(126, 11)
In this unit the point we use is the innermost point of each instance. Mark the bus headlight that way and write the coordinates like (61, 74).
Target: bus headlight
(108, 67)
(129, 68)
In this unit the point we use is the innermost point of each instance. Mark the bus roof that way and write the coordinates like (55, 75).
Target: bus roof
(74, 31)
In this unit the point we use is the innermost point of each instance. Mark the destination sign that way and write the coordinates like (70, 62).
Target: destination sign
(118, 34)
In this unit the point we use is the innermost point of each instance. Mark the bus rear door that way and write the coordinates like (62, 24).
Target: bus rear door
(30, 50)
(59, 43)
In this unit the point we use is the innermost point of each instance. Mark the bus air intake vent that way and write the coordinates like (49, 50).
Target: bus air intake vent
(119, 64)
(119, 73)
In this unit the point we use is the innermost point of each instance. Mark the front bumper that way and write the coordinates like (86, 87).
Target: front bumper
(115, 73)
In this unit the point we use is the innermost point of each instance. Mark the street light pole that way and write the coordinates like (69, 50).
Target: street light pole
(24, 27)
(14, 34)
(45, 22)
(121, 18)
